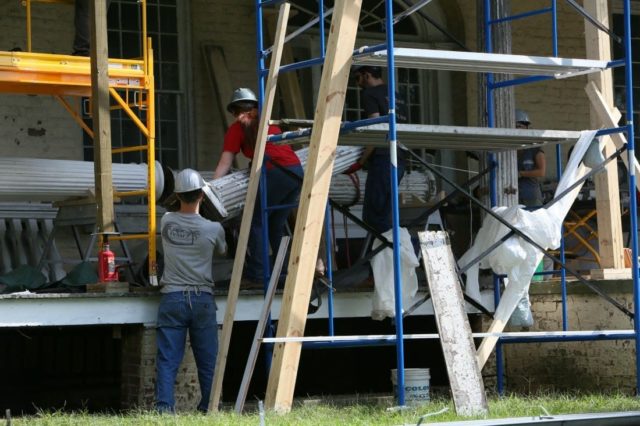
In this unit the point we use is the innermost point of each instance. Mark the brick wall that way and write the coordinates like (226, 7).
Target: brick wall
(588, 366)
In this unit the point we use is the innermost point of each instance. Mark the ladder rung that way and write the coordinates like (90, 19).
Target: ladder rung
(129, 237)
(129, 149)
(131, 193)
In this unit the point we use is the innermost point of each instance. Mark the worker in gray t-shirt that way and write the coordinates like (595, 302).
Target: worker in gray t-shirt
(189, 242)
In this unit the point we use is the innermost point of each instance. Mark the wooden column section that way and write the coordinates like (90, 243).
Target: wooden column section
(101, 116)
(313, 199)
(607, 195)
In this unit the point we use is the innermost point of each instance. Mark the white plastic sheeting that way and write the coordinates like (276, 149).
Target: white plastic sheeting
(382, 266)
(516, 258)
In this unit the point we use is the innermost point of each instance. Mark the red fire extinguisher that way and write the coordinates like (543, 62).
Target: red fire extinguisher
(106, 263)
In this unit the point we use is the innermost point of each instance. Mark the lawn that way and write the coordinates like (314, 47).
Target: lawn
(325, 414)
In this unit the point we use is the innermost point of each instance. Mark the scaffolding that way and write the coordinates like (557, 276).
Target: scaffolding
(131, 87)
(489, 139)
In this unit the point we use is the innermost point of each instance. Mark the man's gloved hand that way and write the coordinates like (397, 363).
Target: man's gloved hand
(353, 168)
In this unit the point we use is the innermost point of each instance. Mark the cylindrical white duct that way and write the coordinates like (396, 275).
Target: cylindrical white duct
(225, 196)
(31, 179)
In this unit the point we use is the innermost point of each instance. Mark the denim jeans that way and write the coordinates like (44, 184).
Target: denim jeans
(376, 206)
(179, 312)
(281, 189)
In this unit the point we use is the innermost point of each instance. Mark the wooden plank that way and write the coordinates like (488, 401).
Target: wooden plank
(610, 117)
(315, 189)
(262, 324)
(610, 239)
(101, 116)
(247, 215)
(456, 339)
(220, 79)
(290, 86)
(508, 301)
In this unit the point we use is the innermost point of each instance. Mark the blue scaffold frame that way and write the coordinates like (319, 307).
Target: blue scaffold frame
(390, 119)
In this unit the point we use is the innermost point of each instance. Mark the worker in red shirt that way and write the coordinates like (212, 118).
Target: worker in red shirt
(281, 187)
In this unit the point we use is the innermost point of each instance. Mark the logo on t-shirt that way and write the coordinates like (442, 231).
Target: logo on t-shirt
(179, 236)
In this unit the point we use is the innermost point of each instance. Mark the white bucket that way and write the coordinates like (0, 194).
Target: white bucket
(416, 385)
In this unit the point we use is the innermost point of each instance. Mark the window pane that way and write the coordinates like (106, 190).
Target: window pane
(131, 45)
(129, 16)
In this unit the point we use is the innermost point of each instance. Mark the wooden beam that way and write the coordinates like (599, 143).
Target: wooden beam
(222, 85)
(101, 116)
(262, 324)
(607, 192)
(289, 86)
(219, 77)
(610, 117)
(315, 189)
(247, 215)
(456, 339)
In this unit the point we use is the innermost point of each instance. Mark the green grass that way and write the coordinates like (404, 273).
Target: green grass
(324, 414)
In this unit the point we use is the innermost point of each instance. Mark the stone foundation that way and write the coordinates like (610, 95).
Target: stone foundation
(605, 365)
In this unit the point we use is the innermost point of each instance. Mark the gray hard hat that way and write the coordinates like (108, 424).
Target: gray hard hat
(242, 94)
(522, 117)
(188, 180)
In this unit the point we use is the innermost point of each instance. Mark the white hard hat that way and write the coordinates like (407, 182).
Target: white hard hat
(188, 180)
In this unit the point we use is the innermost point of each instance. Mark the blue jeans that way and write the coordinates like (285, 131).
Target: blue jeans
(376, 206)
(179, 312)
(281, 189)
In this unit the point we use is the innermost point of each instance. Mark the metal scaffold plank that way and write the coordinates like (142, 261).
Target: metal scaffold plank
(456, 137)
(483, 62)
(44, 73)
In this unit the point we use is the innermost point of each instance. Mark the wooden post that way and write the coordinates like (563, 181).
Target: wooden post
(101, 116)
(315, 189)
(247, 215)
(607, 195)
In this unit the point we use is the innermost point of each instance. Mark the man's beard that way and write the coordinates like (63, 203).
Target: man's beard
(250, 133)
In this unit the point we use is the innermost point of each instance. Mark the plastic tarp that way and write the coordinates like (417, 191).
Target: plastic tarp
(516, 258)
(382, 266)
